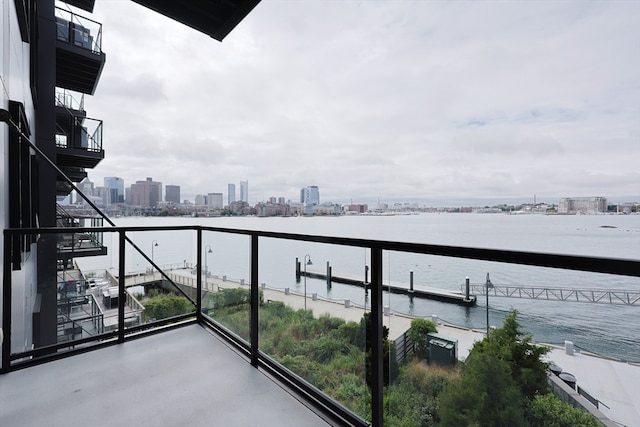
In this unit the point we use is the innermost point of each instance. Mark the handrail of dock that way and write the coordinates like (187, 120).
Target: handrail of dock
(603, 296)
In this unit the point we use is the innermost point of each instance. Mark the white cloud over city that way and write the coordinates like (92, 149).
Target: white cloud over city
(394, 100)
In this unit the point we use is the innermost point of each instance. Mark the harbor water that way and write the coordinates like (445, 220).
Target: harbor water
(607, 329)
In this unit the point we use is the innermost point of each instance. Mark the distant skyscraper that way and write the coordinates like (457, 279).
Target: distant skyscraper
(310, 196)
(244, 191)
(172, 193)
(115, 187)
(214, 200)
(146, 193)
(199, 199)
(231, 194)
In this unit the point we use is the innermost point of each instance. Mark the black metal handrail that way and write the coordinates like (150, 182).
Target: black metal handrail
(624, 267)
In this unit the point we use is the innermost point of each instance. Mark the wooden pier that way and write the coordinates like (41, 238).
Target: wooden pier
(408, 289)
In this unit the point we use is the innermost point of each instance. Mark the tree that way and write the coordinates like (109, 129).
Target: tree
(513, 346)
(486, 395)
(418, 335)
(504, 372)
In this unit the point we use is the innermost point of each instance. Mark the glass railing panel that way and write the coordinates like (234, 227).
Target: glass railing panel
(78, 30)
(313, 323)
(69, 99)
(91, 134)
(87, 288)
(168, 288)
(226, 277)
(553, 306)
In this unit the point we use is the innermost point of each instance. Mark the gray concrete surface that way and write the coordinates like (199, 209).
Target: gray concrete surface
(182, 377)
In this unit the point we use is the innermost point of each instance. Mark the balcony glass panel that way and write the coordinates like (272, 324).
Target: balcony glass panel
(168, 288)
(86, 133)
(226, 281)
(69, 99)
(554, 305)
(78, 30)
(312, 326)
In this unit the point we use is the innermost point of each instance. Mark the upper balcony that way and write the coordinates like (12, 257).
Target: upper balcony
(78, 139)
(73, 245)
(79, 55)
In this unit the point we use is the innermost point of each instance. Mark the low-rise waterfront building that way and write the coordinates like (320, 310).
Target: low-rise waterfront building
(585, 205)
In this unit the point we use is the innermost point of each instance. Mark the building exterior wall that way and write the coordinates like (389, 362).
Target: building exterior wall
(116, 189)
(146, 193)
(214, 200)
(231, 194)
(244, 191)
(587, 205)
(14, 86)
(310, 195)
(172, 193)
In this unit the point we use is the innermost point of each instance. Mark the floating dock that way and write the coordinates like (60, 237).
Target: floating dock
(408, 289)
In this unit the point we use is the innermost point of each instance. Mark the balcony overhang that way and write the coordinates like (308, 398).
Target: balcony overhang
(216, 18)
(65, 254)
(82, 4)
(78, 158)
(75, 174)
(77, 68)
(63, 188)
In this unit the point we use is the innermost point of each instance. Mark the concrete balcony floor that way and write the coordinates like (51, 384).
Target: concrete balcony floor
(181, 377)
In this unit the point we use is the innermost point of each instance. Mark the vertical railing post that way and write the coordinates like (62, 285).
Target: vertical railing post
(255, 299)
(6, 303)
(377, 337)
(199, 277)
(121, 287)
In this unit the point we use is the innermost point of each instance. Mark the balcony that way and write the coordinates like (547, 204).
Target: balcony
(223, 355)
(78, 140)
(79, 56)
(73, 245)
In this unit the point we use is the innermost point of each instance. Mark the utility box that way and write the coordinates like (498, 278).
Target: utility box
(441, 350)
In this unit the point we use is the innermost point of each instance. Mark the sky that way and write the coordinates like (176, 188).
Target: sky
(378, 100)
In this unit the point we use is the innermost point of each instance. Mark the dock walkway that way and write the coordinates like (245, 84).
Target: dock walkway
(394, 287)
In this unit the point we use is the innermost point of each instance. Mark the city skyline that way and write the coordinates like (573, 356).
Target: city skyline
(311, 195)
(426, 100)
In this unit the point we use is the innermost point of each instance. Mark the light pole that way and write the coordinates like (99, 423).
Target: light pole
(306, 262)
(488, 285)
(207, 250)
(153, 244)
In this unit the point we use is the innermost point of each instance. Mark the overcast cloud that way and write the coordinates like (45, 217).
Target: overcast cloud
(396, 100)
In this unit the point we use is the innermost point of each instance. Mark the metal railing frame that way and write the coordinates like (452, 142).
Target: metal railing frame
(625, 267)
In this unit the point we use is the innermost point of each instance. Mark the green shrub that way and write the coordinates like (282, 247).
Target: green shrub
(417, 333)
(549, 411)
(163, 306)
